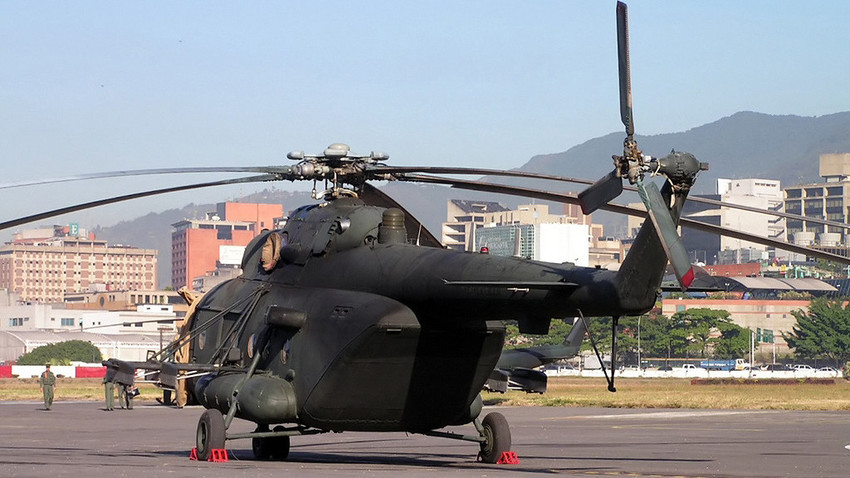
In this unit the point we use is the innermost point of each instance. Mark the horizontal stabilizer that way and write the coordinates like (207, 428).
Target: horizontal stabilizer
(601, 192)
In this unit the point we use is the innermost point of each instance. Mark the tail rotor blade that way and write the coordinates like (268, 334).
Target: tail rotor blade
(666, 229)
(599, 193)
(611, 185)
(625, 71)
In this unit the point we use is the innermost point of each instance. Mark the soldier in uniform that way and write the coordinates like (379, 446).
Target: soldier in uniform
(47, 383)
(109, 388)
(122, 395)
(126, 395)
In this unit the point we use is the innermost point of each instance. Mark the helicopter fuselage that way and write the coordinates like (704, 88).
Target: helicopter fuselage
(387, 335)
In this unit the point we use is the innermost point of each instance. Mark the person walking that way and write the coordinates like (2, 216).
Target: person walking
(47, 383)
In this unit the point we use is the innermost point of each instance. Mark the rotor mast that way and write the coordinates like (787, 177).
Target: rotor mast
(337, 166)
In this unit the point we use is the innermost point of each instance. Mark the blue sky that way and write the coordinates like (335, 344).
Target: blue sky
(95, 86)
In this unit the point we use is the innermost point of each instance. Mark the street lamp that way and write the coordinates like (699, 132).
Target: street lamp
(639, 362)
(161, 330)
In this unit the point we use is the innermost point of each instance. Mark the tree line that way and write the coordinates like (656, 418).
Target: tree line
(821, 333)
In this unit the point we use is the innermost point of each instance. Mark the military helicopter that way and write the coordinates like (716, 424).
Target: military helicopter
(517, 368)
(348, 317)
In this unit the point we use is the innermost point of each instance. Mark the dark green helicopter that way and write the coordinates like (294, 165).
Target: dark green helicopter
(352, 317)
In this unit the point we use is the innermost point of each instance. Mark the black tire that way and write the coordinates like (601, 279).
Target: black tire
(210, 435)
(279, 446)
(497, 437)
(260, 446)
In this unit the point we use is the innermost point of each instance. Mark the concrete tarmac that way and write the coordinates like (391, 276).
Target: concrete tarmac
(80, 439)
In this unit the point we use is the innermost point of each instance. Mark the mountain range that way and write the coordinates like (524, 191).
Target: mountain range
(744, 145)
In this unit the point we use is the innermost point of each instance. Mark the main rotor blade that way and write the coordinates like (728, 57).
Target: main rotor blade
(665, 228)
(625, 70)
(569, 198)
(601, 192)
(112, 200)
(376, 170)
(550, 177)
(149, 172)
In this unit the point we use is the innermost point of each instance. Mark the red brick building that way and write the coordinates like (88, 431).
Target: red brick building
(200, 245)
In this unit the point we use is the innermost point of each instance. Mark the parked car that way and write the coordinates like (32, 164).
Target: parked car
(802, 367)
(689, 366)
(776, 367)
(665, 368)
(828, 370)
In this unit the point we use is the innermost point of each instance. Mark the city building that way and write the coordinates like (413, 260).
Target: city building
(605, 251)
(126, 300)
(464, 216)
(127, 332)
(144, 319)
(199, 246)
(514, 232)
(529, 231)
(709, 248)
(829, 199)
(222, 273)
(43, 265)
(767, 318)
(545, 242)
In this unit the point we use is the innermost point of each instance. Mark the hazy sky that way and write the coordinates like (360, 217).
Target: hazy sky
(100, 86)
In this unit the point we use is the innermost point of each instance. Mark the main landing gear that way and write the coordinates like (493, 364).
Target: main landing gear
(210, 435)
(266, 444)
(275, 447)
(494, 437)
(497, 437)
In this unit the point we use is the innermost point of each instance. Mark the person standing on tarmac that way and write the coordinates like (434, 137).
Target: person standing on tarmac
(109, 390)
(126, 395)
(47, 383)
(122, 394)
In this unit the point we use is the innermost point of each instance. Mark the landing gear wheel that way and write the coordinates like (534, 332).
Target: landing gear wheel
(260, 446)
(279, 446)
(497, 437)
(210, 434)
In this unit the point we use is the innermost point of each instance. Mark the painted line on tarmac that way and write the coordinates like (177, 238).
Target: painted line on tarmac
(670, 414)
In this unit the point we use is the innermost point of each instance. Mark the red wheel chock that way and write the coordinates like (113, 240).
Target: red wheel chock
(508, 458)
(217, 455)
